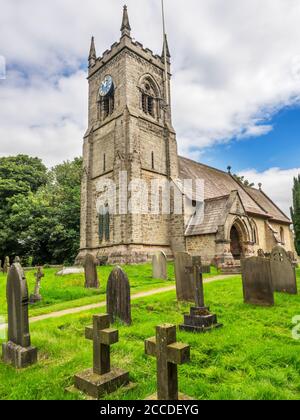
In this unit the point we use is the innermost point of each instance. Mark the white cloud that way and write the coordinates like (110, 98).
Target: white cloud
(277, 183)
(234, 64)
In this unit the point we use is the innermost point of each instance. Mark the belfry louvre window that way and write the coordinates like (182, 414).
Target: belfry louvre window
(107, 106)
(149, 98)
(148, 104)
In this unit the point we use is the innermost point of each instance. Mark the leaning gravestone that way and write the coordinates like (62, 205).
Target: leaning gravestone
(159, 266)
(90, 272)
(283, 272)
(6, 265)
(118, 296)
(18, 350)
(257, 281)
(184, 278)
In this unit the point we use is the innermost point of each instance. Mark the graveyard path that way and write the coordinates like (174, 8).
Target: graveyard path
(152, 292)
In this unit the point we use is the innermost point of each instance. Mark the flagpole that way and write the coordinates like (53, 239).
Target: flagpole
(165, 53)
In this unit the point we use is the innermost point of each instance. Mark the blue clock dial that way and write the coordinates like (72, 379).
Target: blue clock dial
(106, 86)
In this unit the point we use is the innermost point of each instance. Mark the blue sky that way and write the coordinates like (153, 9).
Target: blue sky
(279, 148)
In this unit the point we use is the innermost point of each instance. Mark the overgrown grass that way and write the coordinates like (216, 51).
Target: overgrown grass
(252, 357)
(65, 292)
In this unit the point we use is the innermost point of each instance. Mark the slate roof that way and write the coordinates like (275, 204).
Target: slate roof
(218, 185)
(213, 211)
(267, 204)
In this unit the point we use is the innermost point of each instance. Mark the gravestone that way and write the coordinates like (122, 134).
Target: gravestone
(90, 272)
(101, 379)
(200, 319)
(257, 281)
(6, 265)
(261, 253)
(18, 350)
(184, 279)
(168, 355)
(159, 266)
(118, 296)
(292, 257)
(36, 296)
(283, 272)
(70, 270)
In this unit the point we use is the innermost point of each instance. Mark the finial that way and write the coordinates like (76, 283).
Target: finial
(229, 169)
(92, 55)
(260, 186)
(125, 28)
(166, 45)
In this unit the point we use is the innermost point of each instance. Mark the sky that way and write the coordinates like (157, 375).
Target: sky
(235, 85)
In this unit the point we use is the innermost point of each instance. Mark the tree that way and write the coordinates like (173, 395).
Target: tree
(295, 212)
(47, 222)
(19, 176)
(244, 181)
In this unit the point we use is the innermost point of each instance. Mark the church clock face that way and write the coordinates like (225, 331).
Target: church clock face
(106, 86)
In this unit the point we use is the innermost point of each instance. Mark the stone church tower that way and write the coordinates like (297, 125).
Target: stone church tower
(129, 135)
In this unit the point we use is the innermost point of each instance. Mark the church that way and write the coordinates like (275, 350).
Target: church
(130, 132)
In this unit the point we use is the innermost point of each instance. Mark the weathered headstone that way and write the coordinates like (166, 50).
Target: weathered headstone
(257, 281)
(168, 355)
(70, 270)
(18, 350)
(159, 266)
(184, 279)
(261, 253)
(101, 379)
(200, 319)
(90, 272)
(36, 296)
(283, 272)
(118, 296)
(6, 265)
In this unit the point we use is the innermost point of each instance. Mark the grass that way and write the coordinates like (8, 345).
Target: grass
(252, 357)
(66, 292)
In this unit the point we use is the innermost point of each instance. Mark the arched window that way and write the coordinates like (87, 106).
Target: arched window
(254, 232)
(107, 106)
(282, 235)
(104, 224)
(149, 97)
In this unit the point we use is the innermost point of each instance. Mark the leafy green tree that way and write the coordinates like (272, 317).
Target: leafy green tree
(19, 176)
(47, 222)
(295, 212)
(243, 181)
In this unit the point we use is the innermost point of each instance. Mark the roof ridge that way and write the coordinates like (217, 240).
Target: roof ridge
(274, 204)
(203, 164)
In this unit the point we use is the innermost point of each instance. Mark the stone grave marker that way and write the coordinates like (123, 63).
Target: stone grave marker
(18, 350)
(184, 279)
(168, 355)
(36, 296)
(159, 266)
(283, 272)
(90, 272)
(101, 379)
(200, 319)
(261, 253)
(6, 265)
(257, 281)
(118, 296)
